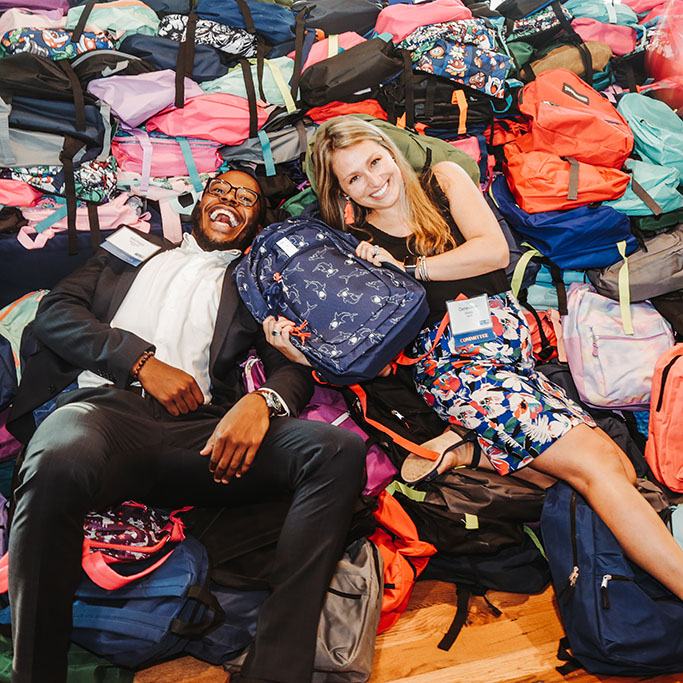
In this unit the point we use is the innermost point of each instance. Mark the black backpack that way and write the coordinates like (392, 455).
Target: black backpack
(520, 568)
(391, 411)
(352, 75)
(434, 101)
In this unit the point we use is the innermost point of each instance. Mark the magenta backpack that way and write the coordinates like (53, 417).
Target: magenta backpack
(328, 405)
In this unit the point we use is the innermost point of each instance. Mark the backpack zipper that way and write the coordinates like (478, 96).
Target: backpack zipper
(604, 595)
(665, 374)
(573, 577)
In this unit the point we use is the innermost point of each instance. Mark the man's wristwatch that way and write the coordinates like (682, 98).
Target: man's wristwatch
(410, 265)
(273, 401)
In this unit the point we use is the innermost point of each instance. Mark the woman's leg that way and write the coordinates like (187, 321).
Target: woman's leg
(595, 466)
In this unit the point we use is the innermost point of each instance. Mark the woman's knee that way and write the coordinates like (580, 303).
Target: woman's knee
(583, 458)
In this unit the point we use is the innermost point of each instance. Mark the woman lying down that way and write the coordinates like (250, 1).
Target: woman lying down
(439, 227)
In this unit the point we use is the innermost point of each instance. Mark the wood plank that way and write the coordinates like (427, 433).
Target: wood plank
(520, 646)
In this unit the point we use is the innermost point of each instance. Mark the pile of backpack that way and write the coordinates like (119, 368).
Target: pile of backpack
(565, 113)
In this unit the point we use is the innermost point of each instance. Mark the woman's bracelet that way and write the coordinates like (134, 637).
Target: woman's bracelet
(140, 364)
(422, 273)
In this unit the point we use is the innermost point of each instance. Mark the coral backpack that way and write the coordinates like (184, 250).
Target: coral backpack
(664, 448)
(404, 555)
(571, 119)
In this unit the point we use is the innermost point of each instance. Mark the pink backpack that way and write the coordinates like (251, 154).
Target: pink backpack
(45, 222)
(664, 447)
(612, 348)
(621, 39)
(161, 156)
(217, 116)
(402, 19)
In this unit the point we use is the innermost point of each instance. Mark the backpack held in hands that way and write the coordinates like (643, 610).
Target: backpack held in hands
(351, 318)
(618, 619)
(612, 348)
(664, 448)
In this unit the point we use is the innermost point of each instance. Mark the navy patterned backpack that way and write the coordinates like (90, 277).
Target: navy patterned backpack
(352, 318)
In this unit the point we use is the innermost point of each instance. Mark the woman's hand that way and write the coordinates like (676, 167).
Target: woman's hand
(277, 335)
(376, 255)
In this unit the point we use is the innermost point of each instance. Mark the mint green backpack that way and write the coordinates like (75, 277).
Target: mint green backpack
(657, 130)
(660, 184)
(277, 73)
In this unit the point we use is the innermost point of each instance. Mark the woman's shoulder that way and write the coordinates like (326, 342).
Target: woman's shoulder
(447, 172)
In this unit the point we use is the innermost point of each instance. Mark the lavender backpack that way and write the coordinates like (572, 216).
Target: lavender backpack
(327, 405)
(612, 348)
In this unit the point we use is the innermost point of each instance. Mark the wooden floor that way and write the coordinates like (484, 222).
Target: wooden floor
(517, 647)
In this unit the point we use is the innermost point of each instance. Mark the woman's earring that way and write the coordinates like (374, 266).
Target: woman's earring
(348, 212)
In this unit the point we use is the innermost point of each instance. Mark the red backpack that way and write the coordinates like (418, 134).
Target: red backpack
(664, 448)
(404, 555)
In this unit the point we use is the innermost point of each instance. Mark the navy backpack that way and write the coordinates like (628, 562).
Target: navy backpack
(176, 609)
(618, 619)
(352, 318)
(577, 238)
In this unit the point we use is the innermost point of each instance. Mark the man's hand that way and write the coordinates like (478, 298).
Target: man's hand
(236, 438)
(177, 391)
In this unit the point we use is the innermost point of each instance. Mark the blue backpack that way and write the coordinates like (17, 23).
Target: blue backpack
(352, 318)
(618, 619)
(574, 239)
(175, 609)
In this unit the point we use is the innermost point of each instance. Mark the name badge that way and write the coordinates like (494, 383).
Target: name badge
(130, 246)
(470, 320)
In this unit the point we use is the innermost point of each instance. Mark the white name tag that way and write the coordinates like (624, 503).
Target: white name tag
(287, 246)
(130, 246)
(470, 320)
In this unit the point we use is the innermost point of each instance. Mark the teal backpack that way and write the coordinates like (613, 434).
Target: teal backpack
(657, 130)
(660, 185)
(607, 12)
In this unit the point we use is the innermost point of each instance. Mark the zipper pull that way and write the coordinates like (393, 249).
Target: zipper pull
(571, 584)
(604, 595)
(573, 576)
(595, 346)
(400, 418)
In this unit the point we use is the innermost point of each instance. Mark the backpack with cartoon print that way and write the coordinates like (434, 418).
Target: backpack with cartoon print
(352, 318)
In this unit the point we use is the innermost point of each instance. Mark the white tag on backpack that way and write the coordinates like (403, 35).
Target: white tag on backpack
(287, 246)
(470, 320)
(130, 246)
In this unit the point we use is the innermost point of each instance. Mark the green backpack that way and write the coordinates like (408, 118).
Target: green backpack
(419, 150)
(657, 130)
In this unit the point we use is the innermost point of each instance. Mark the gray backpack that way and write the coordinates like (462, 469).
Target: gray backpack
(349, 620)
(656, 270)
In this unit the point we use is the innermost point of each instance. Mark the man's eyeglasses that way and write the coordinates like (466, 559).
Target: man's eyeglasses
(221, 189)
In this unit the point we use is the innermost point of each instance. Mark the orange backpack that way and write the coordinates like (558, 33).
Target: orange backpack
(543, 181)
(664, 448)
(571, 119)
(404, 555)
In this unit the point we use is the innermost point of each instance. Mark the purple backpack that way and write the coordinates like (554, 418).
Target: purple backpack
(328, 405)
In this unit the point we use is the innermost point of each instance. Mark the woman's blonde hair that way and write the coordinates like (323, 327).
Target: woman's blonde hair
(431, 234)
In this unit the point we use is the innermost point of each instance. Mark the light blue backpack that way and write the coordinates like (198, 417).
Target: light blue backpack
(660, 184)
(608, 12)
(657, 130)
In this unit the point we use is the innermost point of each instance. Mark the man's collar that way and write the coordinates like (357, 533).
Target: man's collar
(226, 256)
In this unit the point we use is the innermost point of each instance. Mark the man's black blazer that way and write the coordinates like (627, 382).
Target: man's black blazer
(71, 333)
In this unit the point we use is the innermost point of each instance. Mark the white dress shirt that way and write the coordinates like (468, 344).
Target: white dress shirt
(173, 303)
